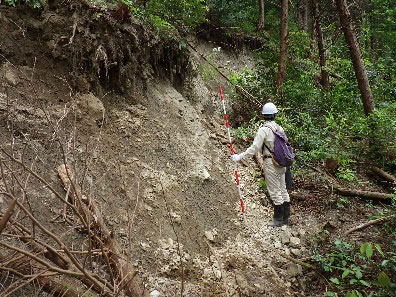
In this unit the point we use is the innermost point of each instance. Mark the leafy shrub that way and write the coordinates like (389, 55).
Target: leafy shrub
(356, 272)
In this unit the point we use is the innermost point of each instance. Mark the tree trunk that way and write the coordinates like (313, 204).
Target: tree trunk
(322, 51)
(306, 10)
(260, 26)
(280, 77)
(356, 56)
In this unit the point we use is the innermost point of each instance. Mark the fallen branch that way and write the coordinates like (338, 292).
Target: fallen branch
(306, 265)
(7, 215)
(364, 194)
(388, 177)
(372, 222)
(48, 284)
(121, 267)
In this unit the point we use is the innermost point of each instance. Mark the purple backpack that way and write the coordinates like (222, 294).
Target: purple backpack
(283, 155)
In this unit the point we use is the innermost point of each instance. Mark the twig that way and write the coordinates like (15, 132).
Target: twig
(372, 222)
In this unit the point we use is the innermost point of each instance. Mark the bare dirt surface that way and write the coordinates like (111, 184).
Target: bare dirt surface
(147, 138)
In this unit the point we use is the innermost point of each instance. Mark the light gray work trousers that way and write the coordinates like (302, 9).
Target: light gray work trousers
(275, 180)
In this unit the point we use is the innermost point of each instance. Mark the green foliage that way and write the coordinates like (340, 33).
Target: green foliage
(243, 14)
(174, 15)
(364, 271)
(32, 3)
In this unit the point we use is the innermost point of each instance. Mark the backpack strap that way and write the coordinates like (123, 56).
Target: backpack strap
(262, 151)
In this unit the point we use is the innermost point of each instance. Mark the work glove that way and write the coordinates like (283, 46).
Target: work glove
(235, 157)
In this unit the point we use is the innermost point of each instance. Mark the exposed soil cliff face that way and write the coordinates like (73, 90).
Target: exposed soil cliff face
(128, 111)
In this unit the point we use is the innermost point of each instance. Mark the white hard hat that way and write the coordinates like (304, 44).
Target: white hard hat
(269, 108)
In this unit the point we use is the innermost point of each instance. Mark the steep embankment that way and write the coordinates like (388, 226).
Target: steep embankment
(148, 142)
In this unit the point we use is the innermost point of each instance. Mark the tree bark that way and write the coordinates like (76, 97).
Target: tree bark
(260, 25)
(280, 77)
(356, 56)
(305, 19)
(322, 50)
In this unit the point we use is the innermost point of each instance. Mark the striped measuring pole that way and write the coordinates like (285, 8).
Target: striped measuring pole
(233, 152)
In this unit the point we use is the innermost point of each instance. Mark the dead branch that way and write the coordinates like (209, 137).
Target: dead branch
(364, 194)
(388, 177)
(7, 215)
(369, 223)
(121, 267)
(48, 284)
(306, 265)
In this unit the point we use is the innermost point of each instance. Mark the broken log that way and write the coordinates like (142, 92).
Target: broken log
(388, 177)
(372, 222)
(118, 264)
(377, 196)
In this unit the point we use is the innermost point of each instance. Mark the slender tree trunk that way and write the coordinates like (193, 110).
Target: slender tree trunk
(322, 50)
(306, 12)
(280, 77)
(356, 56)
(260, 26)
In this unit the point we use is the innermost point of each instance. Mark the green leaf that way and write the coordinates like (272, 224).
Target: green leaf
(363, 248)
(377, 246)
(359, 274)
(335, 280)
(330, 294)
(351, 294)
(353, 281)
(369, 250)
(365, 283)
(384, 280)
(346, 273)
(358, 293)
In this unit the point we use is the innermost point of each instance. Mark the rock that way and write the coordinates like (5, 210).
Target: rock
(301, 232)
(155, 293)
(91, 105)
(294, 241)
(145, 246)
(242, 283)
(9, 75)
(296, 252)
(207, 273)
(285, 237)
(205, 174)
(217, 274)
(277, 245)
(209, 235)
(287, 252)
(294, 270)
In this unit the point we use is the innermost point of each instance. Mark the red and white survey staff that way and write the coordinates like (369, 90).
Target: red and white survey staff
(232, 153)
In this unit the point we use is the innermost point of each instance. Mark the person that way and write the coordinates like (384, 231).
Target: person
(274, 176)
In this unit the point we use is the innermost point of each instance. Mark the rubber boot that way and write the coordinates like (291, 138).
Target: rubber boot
(278, 216)
(286, 213)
